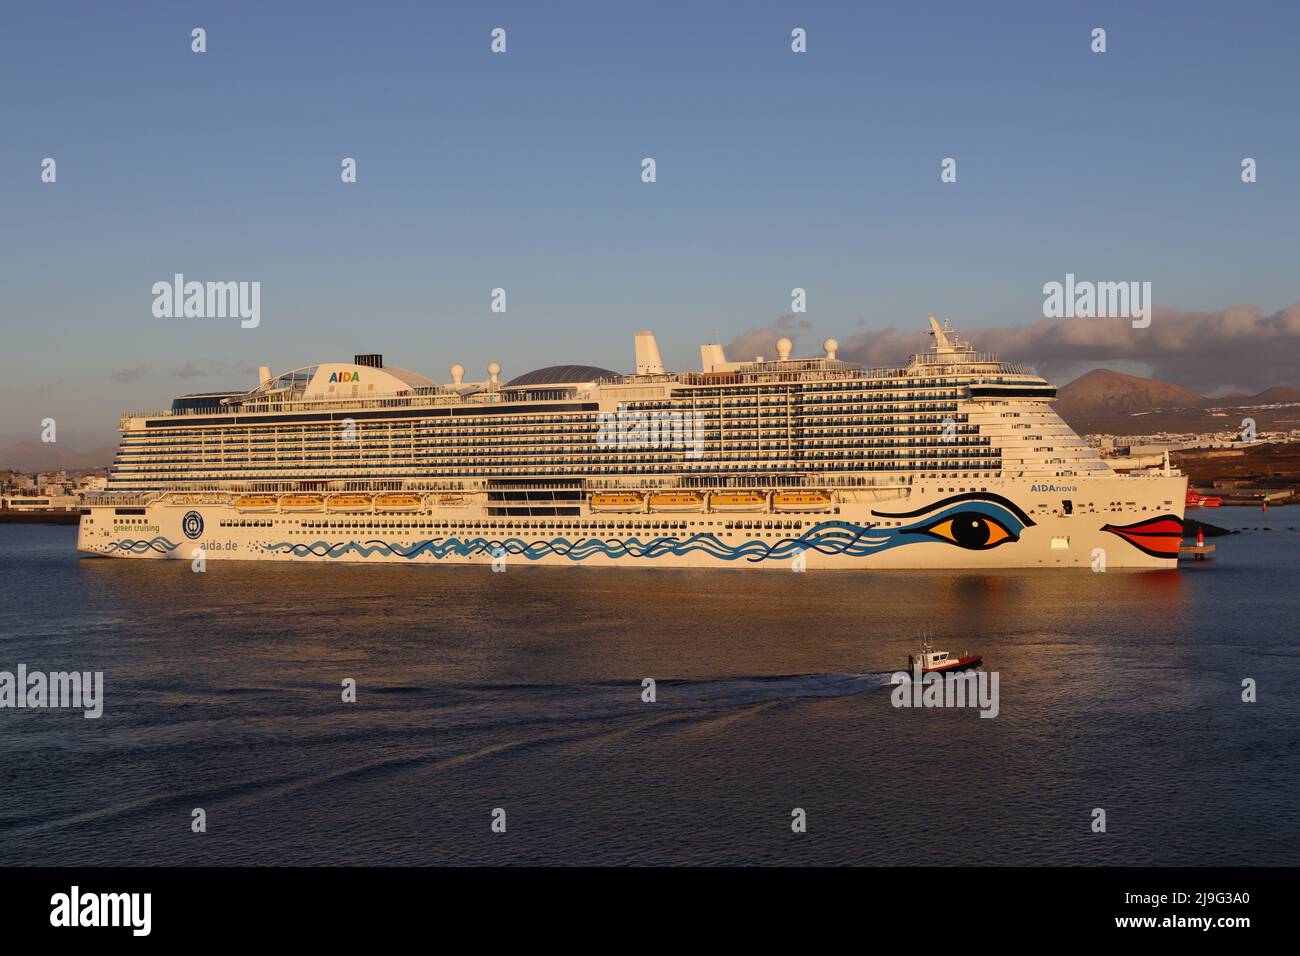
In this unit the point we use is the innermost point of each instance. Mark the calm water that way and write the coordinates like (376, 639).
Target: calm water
(522, 690)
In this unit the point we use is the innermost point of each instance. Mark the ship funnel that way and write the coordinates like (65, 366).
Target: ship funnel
(711, 357)
(648, 361)
(263, 374)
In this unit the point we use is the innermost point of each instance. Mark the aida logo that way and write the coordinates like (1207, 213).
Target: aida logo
(345, 376)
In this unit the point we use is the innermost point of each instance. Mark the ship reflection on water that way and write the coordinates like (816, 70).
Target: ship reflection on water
(523, 690)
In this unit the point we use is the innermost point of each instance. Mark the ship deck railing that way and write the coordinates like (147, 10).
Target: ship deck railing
(518, 484)
(422, 397)
(119, 499)
(438, 396)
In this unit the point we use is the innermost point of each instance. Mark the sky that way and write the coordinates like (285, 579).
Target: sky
(522, 170)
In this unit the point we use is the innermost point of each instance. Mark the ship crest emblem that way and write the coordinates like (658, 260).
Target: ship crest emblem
(192, 525)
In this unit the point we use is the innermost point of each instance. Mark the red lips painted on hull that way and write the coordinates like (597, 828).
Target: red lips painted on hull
(1159, 537)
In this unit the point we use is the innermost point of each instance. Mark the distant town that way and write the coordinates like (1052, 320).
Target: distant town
(1263, 470)
(48, 493)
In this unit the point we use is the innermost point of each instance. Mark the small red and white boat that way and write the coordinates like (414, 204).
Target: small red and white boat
(1197, 500)
(931, 661)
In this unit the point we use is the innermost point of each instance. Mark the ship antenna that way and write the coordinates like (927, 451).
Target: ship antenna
(940, 339)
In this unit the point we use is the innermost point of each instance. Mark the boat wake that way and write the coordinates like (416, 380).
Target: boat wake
(404, 731)
(739, 691)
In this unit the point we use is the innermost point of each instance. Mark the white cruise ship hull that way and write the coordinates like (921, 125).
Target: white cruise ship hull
(1104, 522)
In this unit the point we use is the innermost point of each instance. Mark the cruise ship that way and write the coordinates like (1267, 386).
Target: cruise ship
(955, 460)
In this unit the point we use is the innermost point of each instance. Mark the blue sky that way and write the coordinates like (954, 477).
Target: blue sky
(522, 171)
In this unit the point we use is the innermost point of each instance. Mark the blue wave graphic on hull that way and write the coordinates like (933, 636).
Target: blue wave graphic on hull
(834, 537)
(161, 545)
(974, 521)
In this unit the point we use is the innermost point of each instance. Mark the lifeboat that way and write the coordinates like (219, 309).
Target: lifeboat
(930, 661)
(257, 502)
(614, 501)
(737, 501)
(398, 502)
(302, 502)
(677, 501)
(801, 501)
(453, 501)
(349, 502)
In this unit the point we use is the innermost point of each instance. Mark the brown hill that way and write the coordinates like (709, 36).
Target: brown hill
(1102, 393)
(31, 456)
(1278, 394)
(1106, 402)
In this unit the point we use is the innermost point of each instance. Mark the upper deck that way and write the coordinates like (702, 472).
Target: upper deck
(949, 412)
(369, 387)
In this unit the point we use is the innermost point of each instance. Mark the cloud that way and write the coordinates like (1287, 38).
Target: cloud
(125, 376)
(189, 370)
(789, 323)
(1235, 347)
(745, 346)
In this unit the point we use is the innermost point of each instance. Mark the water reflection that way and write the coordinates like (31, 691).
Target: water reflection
(479, 689)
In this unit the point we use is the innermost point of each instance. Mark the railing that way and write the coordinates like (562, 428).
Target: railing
(120, 499)
(367, 402)
(806, 371)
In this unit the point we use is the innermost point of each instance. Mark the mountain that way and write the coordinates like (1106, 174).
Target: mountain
(1278, 394)
(30, 456)
(1102, 393)
(1106, 402)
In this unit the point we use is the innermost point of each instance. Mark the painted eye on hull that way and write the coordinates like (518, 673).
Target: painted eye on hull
(976, 521)
(971, 530)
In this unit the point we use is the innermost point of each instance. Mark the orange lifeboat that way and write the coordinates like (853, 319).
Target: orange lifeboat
(616, 501)
(302, 502)
(801, 501)
(737, 501)
(257, 502)
(398, 502)
(677, 501)
(347, 503)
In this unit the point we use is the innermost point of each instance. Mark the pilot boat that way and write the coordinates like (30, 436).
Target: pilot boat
(930, 661)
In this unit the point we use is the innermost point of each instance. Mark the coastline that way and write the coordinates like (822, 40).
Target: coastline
(39, 517)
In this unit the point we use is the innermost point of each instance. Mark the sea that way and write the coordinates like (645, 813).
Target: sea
(1144, 718)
